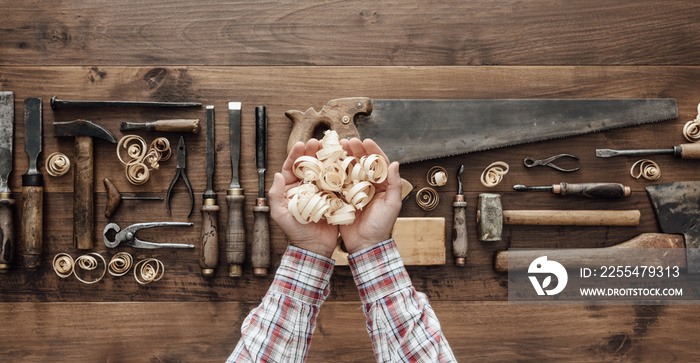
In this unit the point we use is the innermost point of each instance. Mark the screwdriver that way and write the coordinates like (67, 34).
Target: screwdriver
(682, 151)
(588, 190)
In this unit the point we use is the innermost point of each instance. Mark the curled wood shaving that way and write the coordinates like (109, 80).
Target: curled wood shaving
(120, 264)
(648, 170)
(427, 198)
(493, 174)
(691, 129)
(333, 185)
(140, 158)
(63, 265)
(437, 176)
(148, 270)
(57, 164)
(89, 263)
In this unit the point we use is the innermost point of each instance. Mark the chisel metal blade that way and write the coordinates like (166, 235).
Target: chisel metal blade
(33, 132)
(7, 120)
(234, 135)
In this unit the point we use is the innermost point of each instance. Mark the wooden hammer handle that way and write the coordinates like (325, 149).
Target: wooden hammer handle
(32, 222)
(235, 234)
(261, 238)
(572, 217)
(7, 232)
(83, 189)
(209, 254)
(459, 231)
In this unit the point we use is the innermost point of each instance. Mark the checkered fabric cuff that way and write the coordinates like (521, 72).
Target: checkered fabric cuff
(303, 275)
(378, 271)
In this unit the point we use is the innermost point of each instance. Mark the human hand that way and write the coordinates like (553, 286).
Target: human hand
(320, 237)
(374, 223)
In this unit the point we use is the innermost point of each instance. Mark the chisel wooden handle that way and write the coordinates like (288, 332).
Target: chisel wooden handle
(83, 189)
(209, 255)
(520, 260)
(7, 231)
(261, 238)
(32, 222)
(235, 232)
(459, 230)
(572, 217)
(593, 190)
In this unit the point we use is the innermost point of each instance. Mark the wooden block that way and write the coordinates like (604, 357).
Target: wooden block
(421, 241)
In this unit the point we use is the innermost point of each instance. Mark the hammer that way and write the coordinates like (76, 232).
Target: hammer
(83, 203)
(490, 217)
(676, 209)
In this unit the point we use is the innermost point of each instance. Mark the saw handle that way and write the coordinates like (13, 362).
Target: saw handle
(7, 231)
(209, 254)
(338, 115)
(261, 238)
(32, 222)
(235, 233)
(593, 190)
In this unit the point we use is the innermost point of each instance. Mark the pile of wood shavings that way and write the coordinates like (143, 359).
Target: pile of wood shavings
(334, 185)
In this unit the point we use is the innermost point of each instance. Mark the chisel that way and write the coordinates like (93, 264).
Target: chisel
(209, 254)
(588, 190)
(261, 231)
(682, 151)
(235, 230)
(7, 230)
(32, 186)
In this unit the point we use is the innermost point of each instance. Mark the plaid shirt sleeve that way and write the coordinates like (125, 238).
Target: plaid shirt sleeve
(400, 321)
(280, 328)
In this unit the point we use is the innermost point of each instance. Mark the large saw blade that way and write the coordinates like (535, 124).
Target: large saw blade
(414, 130)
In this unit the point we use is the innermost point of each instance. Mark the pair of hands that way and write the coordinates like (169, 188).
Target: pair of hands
(372, 225)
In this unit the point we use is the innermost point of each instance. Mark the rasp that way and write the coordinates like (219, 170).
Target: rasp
(209, 253)
(7, 231)
(32, 186)
(235, 229)
(414, 130)
(261, 232)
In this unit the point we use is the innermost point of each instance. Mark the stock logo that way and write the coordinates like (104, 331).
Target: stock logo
(541, 266)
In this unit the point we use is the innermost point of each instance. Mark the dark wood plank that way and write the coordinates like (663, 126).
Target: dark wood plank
(208, 332)
(396, 32)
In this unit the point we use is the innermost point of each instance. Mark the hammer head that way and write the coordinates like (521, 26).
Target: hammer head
(677, 207)
(83, 128)
(489, 217)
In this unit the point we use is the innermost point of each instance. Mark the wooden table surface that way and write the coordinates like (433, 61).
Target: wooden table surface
(300, 54)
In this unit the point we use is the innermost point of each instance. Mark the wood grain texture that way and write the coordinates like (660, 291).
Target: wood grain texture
(309, 32)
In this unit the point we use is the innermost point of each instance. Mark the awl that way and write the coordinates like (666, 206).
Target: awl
(209, 253)
(32, 186)
(414, 130)
(261, 232)
(7, 230)
(588, 190)
(235, 229)
(683, 151)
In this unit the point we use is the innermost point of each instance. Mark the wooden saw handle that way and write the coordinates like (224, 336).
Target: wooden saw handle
(235, 233)
(83, 189)
(7, 231)
(338, 115)
(572, 217)
(520, 260)
(209, 254)
(32, 222)
(261, 238)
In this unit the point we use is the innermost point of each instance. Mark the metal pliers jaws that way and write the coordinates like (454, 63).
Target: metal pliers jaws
(529, 162)
(128, 235)
(181, 163)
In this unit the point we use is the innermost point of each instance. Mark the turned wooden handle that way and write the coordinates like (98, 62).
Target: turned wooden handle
(520, 260)
(235, 234)
(572, 217)
(261, 238)
(83, 189)
(7, 232)
(338, 115)
(459, 231)
(209, 254)
(593, 190)
(32, 222)
(183, 125)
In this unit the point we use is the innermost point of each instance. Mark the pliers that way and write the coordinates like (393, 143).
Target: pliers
(529, 162)
(181, 163)
(128, 235)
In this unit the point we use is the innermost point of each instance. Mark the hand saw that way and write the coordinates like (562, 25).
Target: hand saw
(414, 130)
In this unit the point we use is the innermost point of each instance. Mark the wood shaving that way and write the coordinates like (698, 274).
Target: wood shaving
(427, 198)
(333, 185)
(691, 129)
(63, 265)
(493, 174)
(89, 263)
(437, 176)
(57, 164)
(648, 170)
(141, 159)
(120, 264)
(148, 270)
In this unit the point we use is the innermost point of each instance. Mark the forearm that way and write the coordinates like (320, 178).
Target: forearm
(280, 328)
(400, 320)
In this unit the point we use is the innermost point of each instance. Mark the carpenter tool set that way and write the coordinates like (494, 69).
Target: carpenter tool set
(406, 130)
